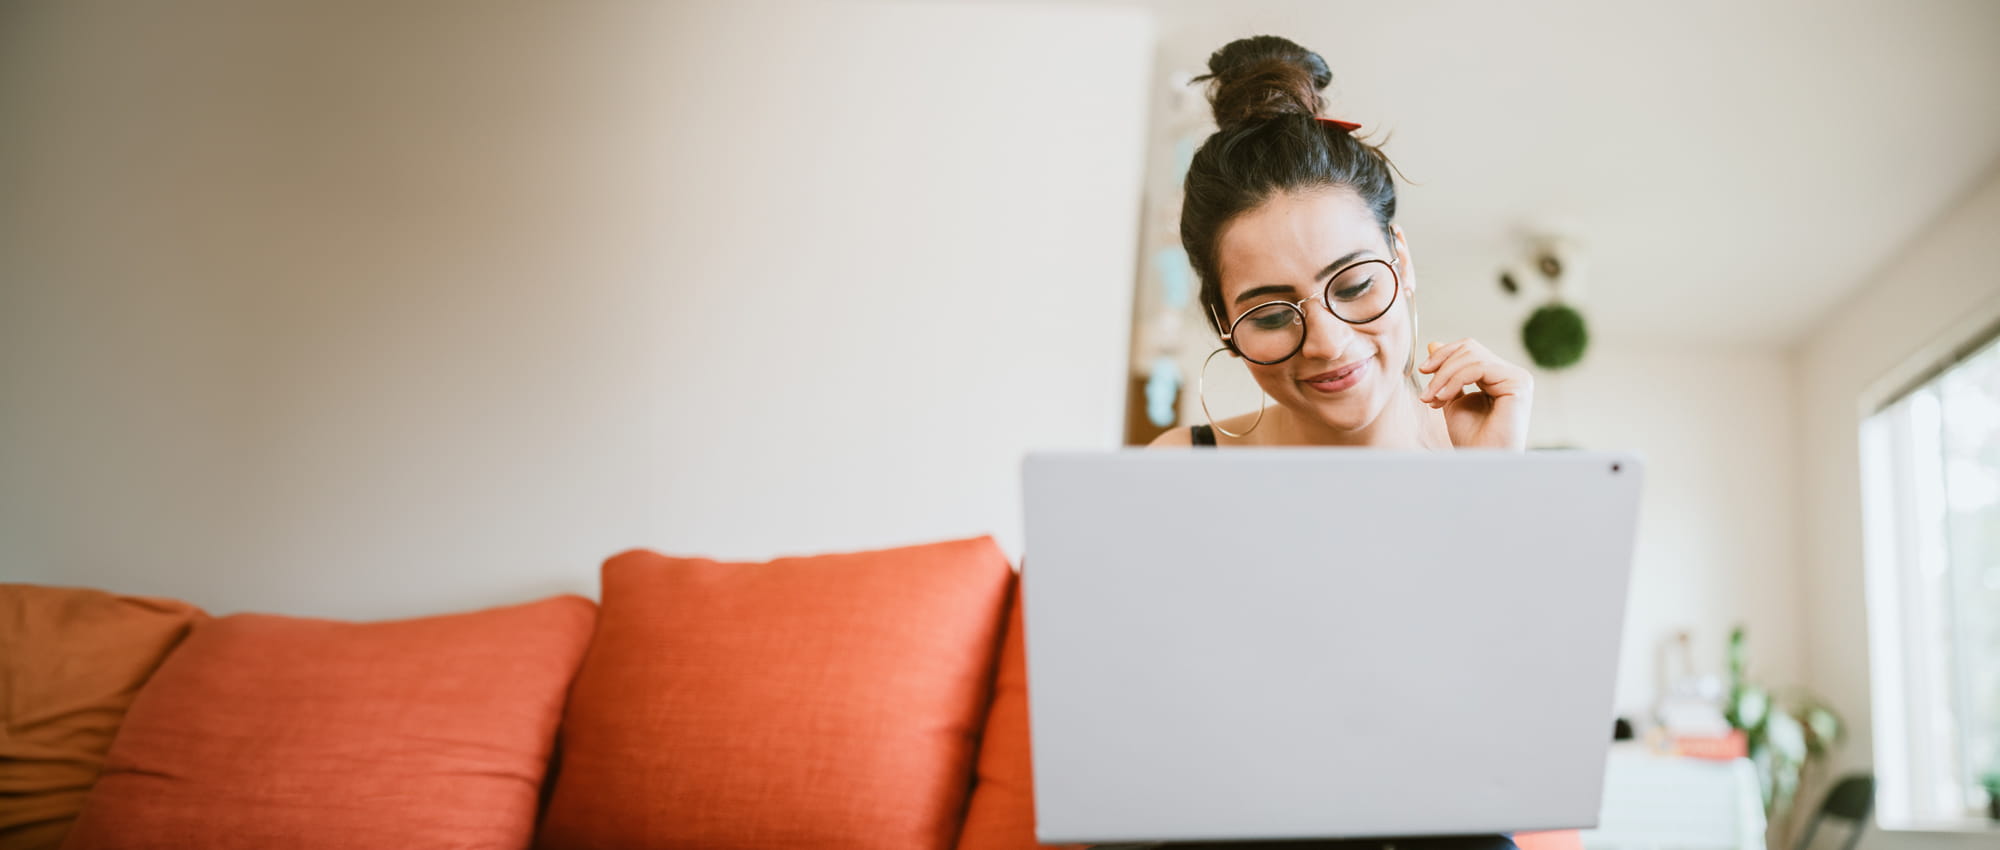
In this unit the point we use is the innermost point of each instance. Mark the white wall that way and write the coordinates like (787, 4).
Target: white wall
(1948, 276)
(1715, 546)
(390, 309)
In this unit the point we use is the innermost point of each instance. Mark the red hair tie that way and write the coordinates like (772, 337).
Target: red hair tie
(1344, 126)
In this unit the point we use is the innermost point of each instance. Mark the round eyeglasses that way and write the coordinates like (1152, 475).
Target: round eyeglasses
(1273, 331)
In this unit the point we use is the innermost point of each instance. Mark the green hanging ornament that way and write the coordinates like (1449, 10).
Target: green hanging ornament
(1555, 336)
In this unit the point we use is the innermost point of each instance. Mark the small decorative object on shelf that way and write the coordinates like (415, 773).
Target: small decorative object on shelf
(1690, 716)
(1730, 747)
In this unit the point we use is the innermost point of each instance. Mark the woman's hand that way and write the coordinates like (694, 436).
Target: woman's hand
(1495, 415)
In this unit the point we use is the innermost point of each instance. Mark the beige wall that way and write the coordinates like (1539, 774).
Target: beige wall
(386, 309)
(1948, 278)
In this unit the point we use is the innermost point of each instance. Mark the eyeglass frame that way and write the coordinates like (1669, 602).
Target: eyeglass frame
(1298, 307)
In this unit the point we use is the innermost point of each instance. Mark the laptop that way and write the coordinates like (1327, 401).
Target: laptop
(1314, 643)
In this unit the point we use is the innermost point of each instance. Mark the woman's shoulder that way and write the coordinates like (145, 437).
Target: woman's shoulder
(1213, 434)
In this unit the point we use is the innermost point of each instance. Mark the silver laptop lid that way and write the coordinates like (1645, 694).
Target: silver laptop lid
(1322, 643)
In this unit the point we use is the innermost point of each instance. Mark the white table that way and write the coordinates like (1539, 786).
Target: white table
(1670, 803)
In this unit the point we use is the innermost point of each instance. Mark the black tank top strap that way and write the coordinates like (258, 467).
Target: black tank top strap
(1202, 435)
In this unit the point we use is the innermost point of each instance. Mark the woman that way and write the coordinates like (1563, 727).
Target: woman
(1287, 220)
(1304, 276)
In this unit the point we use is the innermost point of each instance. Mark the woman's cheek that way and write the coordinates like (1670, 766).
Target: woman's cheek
(1272, 380)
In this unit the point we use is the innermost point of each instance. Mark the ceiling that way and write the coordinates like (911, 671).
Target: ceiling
(1732, 170)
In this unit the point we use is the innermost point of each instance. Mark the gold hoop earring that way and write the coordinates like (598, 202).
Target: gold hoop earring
(1201, 391)
(1410, 368)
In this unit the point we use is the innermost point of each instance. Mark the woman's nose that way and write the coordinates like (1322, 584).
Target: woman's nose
(1327, 337)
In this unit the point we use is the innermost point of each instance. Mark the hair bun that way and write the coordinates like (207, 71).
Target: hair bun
(1264, 77)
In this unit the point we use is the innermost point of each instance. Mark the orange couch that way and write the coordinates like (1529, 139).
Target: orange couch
(862, 700)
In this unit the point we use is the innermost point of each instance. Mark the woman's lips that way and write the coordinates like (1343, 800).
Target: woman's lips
(1338, 380)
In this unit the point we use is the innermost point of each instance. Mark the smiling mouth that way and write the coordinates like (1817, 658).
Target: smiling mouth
(1338, 380)
(1335, 375)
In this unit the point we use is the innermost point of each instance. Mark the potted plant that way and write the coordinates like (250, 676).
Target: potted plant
(1991, 781)
(1786, 732)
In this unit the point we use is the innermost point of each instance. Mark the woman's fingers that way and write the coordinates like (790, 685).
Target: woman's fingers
(1434, 354)
(1484, 398)
(1451, 370)
(1467, 362)
(1501, 378)
(1438, 352)
(1450, 381)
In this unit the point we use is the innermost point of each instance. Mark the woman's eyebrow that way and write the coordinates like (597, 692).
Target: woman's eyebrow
(1268, 289)
(1286, 289)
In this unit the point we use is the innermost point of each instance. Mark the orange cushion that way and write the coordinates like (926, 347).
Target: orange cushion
(1565, 840)
(827, 702)
(265, 731)
(73, 660)
(1002, 814)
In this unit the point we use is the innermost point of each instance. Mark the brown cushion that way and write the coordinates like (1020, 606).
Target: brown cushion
(73, 660)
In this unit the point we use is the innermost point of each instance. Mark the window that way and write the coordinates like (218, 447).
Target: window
(1931, 494)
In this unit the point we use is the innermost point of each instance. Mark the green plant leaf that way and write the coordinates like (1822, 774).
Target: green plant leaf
(1751, 708)
(1785, 787)
(1736, 656)
(1787, 737)
(1824, 726)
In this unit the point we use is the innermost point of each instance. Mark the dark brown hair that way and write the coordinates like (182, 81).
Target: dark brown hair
(1265, 92)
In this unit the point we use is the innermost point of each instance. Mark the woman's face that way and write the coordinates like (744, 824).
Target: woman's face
(1286, 248)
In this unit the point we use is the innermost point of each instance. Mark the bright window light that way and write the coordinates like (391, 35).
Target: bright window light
(1931, 504)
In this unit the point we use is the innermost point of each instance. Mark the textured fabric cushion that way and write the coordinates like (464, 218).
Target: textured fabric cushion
(1002, 814)
(827, 702)
(265, 731)
(71, 660)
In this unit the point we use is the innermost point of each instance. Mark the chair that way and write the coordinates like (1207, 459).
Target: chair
(1851, 799)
